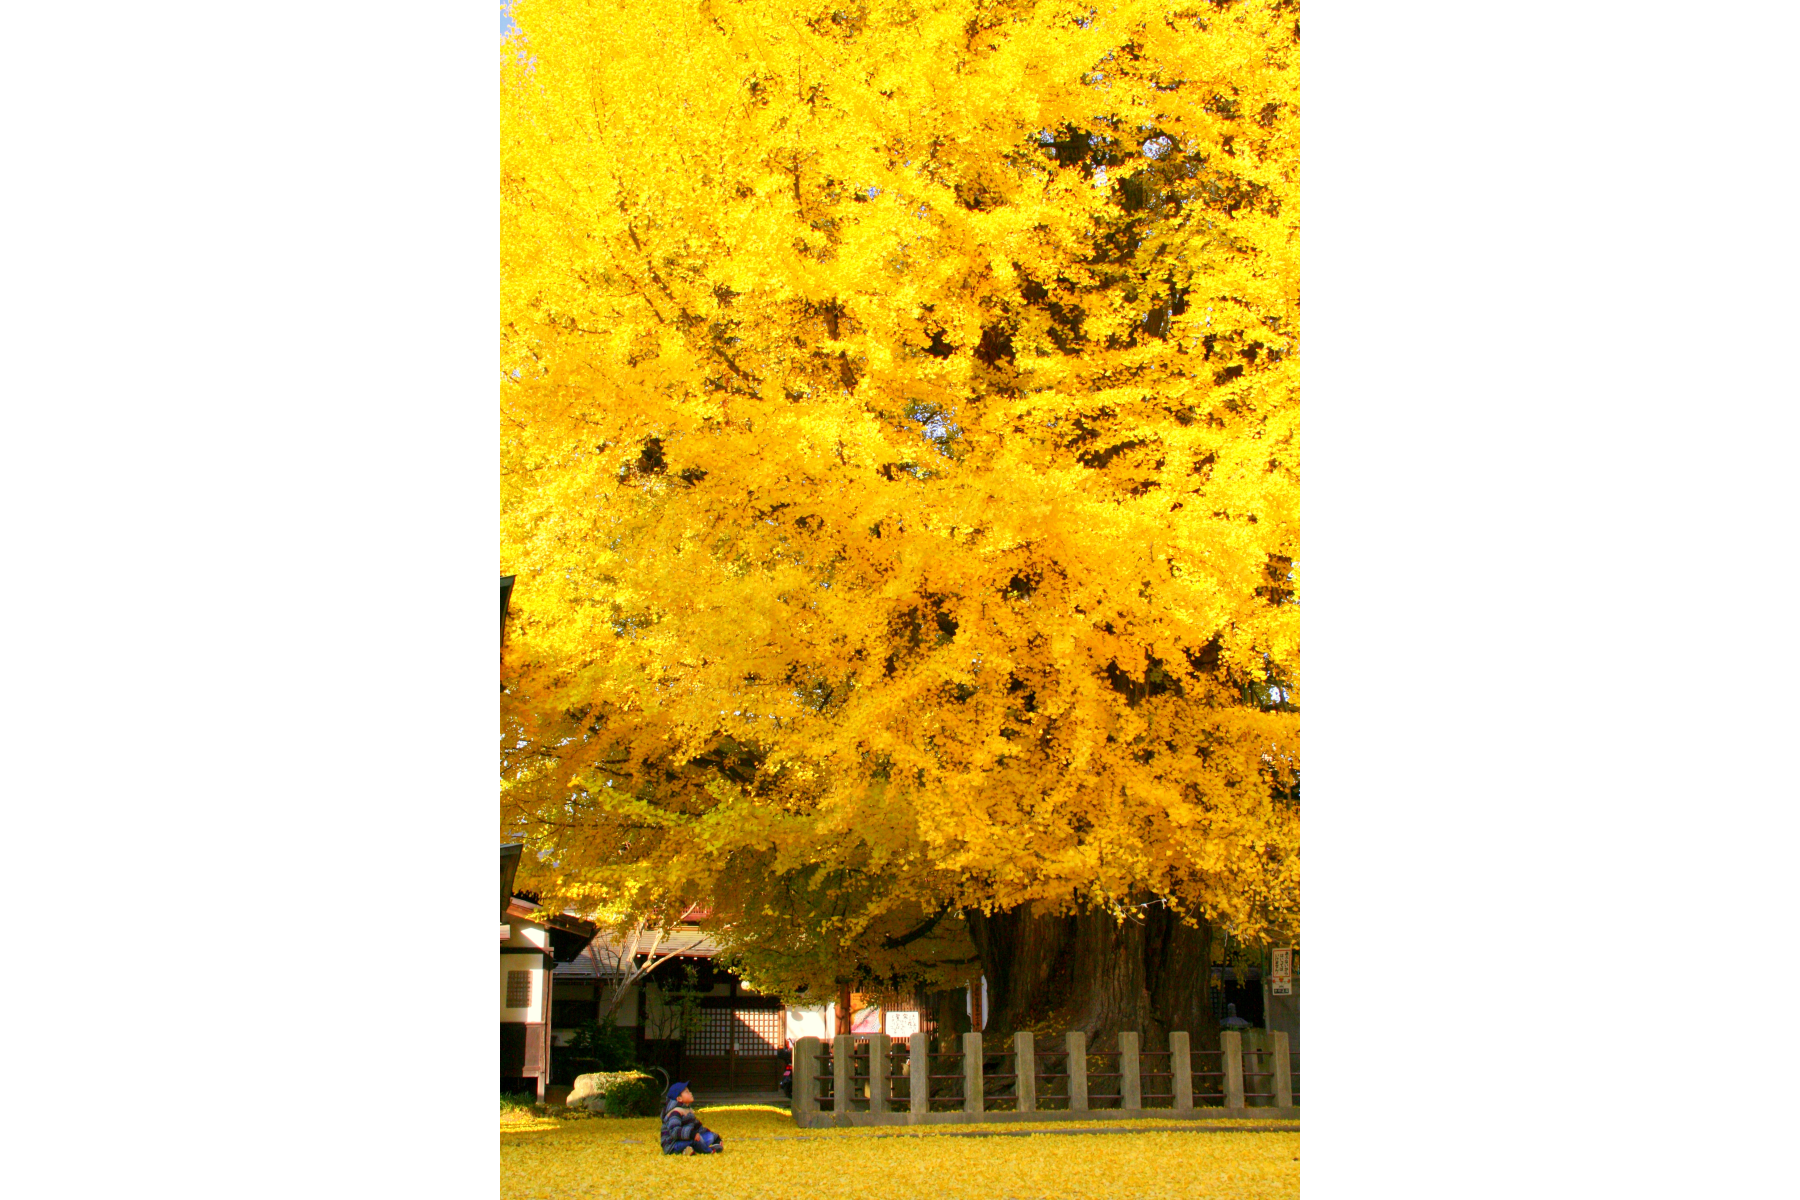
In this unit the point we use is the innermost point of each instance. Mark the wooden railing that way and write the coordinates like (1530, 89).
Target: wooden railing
(849, 1081)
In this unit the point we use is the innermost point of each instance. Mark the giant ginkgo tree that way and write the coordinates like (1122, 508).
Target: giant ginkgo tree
(900, 467)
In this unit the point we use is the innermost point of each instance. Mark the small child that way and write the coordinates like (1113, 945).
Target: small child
(682, 1132)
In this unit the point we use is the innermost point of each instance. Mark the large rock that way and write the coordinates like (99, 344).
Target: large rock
(590, 1090)
(586, 1086)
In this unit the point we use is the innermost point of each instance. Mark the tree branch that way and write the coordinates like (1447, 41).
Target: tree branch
(907, 939)
(651, 963)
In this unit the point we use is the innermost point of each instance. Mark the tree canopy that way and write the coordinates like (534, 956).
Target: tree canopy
(900, 466)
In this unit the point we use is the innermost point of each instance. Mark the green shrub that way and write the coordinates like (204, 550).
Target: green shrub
(634, 1097)
(517, 1102)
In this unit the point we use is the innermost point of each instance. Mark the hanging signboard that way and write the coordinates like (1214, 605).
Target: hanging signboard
(1281, 972)
(902, 1024)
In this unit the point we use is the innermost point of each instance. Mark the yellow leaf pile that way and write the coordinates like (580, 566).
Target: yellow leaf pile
(765, 1157)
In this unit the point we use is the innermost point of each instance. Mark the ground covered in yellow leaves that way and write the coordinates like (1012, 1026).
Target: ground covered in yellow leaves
(767, 1157)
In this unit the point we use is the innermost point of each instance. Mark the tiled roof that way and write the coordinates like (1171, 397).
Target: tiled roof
(688, 943)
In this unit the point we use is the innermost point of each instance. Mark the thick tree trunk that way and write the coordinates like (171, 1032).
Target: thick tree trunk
(1109, 978)
(1088, 971)
(948, 1017)
(1025, 958)
(1177, 957)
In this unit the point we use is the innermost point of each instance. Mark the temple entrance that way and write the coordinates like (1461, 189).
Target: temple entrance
(737, 1047)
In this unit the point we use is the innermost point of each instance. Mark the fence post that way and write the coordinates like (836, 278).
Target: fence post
(1077, 1043)
(1232, 1042)
(1131, 1086)
(1025, 1067)
(972, 1072)
(843, 1050)
(919, 1064)
(880, 1047)
(1181, 1066)
(806, 1079)
(1284, 1079)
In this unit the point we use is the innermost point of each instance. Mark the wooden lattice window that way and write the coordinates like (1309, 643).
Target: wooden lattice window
(758, 1031)
(518, 989)
(714, 1033)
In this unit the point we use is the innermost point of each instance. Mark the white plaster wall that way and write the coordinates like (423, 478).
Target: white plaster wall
(627, 1010)
(820, 1022)
(539, 978)
(626, 1013)
(524, 933)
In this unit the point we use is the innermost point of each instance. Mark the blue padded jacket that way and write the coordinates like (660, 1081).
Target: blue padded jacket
(679, 1128)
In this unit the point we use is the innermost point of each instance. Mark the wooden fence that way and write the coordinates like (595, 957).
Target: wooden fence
(853, 1081)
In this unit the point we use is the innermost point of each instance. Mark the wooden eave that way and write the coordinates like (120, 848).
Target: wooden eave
(506, 587)
(509, 869)
(527, 911)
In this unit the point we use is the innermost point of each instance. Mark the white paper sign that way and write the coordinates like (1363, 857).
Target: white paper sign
(902, 1024)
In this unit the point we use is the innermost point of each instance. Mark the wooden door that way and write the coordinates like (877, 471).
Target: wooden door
(756, 1049)
(706, 1058)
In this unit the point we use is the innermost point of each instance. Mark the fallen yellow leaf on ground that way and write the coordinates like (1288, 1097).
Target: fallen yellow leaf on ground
(767, 1157)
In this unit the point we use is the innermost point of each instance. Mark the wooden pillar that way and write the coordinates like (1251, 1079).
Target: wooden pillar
(1025, 1067)
(1131, 1084)
(1284, 1079)
(543, 1085)
(1181, 1063)
(1232, 1042)
(842, 1047)
(919, 1049)
(806, 1079)
(972, 1072)
(1077, 1043)
(880, 1046)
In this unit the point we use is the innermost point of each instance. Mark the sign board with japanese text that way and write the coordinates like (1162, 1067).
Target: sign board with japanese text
(1281, 972)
